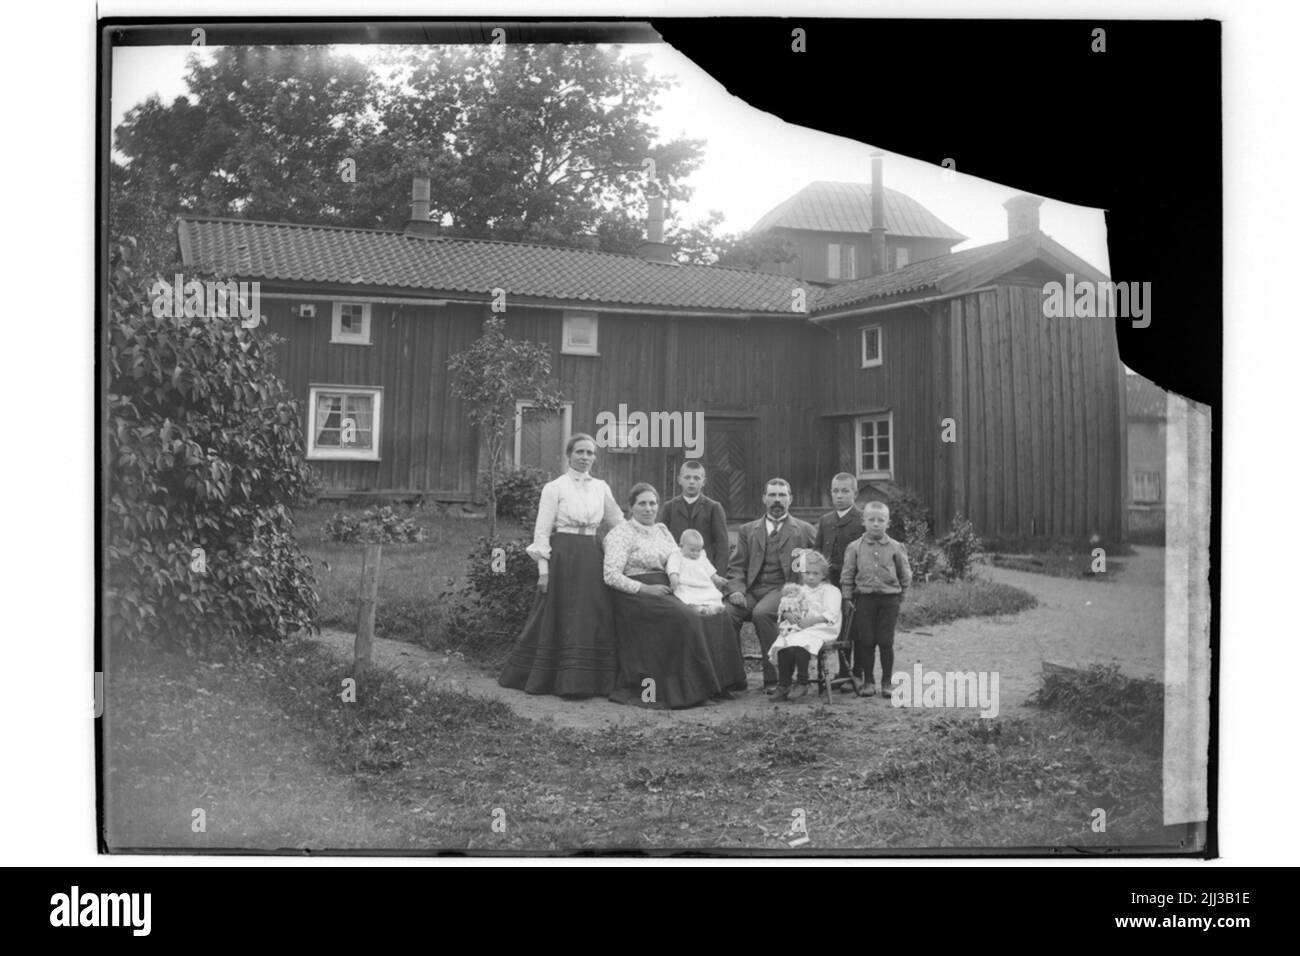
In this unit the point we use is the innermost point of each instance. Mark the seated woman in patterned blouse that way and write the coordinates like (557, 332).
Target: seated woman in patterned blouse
(668, 655)
(567, 644)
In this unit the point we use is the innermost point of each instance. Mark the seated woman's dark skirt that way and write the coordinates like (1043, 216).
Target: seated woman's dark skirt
(567, 644)
(668, 654)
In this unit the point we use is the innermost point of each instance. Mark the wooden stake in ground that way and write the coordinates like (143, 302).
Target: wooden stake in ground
(366, 609)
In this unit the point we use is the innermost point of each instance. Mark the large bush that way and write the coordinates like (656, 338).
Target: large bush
(518, 493)
(205, 460)
(503, 587)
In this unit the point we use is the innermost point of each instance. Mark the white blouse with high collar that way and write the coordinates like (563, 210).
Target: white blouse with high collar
(572, 503)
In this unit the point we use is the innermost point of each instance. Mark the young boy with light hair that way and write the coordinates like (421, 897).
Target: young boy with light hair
(875, 576)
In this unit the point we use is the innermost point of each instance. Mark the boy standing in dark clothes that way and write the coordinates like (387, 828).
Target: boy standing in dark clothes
(836, 530)
(694, 510)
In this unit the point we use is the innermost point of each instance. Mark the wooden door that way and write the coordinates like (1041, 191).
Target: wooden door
(731, 457)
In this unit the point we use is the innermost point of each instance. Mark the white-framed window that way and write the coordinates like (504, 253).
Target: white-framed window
(351, 323)
(900, 257)
(343, 421)
(540, 439)
(580, 330)
(874, 446)
(841, 260)
(1146, 486)
(872, 346)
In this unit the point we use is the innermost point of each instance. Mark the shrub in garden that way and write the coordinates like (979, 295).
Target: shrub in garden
(1101, 698)
(922, 555)
(518, 493)
(906, 507)
(205, 456)
(961, 548)
(502, 589)
(373, 526)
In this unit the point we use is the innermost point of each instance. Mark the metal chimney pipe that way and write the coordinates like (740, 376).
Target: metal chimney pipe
(654, 231)
(877, 214)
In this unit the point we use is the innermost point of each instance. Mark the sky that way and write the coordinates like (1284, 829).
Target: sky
(753, 160)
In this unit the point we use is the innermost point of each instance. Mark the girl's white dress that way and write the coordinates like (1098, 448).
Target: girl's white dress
(824, 600)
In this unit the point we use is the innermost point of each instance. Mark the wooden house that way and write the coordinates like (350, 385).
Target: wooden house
(791, 378)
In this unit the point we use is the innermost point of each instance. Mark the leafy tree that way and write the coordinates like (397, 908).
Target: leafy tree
(701, 243)
(263, 134)
(534, 143)
(491, 375)
(205, 459)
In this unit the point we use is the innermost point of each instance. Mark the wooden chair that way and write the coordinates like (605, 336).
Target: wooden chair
(826, 679)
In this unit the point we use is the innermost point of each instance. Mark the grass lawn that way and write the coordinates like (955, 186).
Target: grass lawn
(415, 582)
(265, 746)
(938, 602)
(418, 580)
(1059, 558)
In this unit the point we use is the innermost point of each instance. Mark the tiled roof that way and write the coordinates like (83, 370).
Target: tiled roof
(925, 275)
(846, 207)
(1146, 399)
(956, 272)
(329, 254)
(437, 265)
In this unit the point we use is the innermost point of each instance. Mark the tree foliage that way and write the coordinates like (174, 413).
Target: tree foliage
(205, 460)
(534, 143)
(491, 375)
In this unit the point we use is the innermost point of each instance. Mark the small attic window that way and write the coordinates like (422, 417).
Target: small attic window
(841, 260)
(580, 331)
(871, 346)
(351, 324)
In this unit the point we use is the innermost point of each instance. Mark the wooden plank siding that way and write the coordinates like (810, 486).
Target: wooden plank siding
(1037, 402)
(424, 436)
(1041, 403)
(898, 385)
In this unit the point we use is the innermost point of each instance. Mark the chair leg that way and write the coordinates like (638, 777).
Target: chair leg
(826, 678)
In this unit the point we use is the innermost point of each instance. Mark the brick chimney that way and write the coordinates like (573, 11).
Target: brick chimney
(878, 261)
(1022, 215)
(420, 224)
(654, 247)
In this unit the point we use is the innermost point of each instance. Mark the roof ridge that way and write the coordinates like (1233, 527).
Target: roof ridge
(193, 217)
(494, 242)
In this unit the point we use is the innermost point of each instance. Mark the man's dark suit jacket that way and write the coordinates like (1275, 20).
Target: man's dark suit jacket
(747, 563)
(710, 521)
(834, 534)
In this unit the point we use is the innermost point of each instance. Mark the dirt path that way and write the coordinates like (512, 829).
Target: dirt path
(1077, 622)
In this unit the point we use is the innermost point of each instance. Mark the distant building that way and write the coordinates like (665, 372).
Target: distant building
(1146, 454)
(830, 228)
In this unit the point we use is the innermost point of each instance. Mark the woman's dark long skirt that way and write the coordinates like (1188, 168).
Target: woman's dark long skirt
(567, 644)
(662, 639)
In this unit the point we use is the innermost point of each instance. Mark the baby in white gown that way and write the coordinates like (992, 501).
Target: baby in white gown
(695, 575)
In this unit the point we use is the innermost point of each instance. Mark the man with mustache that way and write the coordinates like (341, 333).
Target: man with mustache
(762, 563)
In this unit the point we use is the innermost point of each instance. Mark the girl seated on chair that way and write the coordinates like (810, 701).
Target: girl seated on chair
(820, 623)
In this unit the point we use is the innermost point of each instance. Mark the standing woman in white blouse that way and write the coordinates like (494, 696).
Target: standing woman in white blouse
(567, 644)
